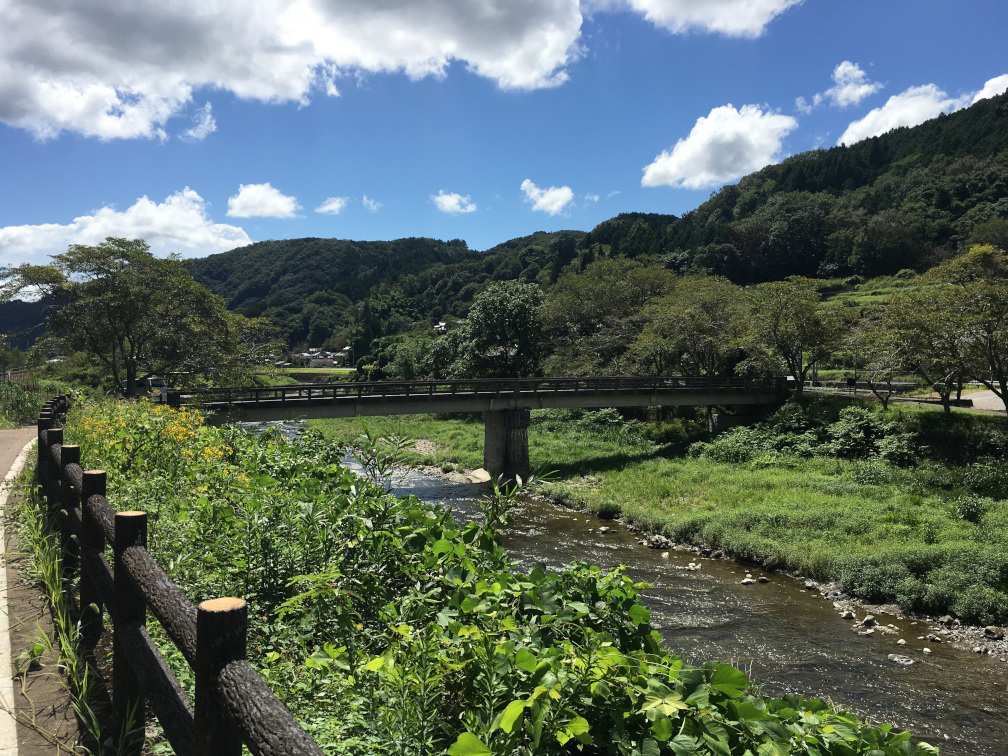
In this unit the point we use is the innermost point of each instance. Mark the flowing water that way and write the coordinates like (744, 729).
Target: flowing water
(788, 639)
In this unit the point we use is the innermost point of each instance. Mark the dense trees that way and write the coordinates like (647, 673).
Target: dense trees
(697, 329)
(789, 319)
(138, 314)
(592, 317)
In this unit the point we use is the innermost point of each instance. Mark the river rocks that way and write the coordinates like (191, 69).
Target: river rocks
(978, 649)
(993, 632)
(847, 614)
(934, 638)
(659, 542)
(664, 555)
(901, 642)
(904, 661)
(946, 619)
(748, 581)
(925, 650)
(763, 579)
(810, 585)
(694, 566)
(603, 530)
(869, 620)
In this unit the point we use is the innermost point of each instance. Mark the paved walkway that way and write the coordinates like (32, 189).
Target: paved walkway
(986, 400)
(15, 445)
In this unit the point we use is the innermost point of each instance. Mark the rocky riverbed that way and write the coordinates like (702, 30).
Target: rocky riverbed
(990, 640)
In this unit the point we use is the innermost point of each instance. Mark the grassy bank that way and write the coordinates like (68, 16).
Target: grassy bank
(909, 507)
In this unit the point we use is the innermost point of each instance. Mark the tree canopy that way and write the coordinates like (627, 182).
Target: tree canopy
(137, 314)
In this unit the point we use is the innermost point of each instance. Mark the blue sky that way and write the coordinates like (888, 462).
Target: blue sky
(201, 129)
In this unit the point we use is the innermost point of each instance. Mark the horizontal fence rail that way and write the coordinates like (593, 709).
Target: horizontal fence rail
(232, 703)
(509, 387)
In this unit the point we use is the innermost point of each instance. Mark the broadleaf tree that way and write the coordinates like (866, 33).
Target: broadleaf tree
(977, 284)
(138, 315)
(790, 321)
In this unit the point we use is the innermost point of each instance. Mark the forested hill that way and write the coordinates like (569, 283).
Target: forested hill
(317, 290)
(903, 200)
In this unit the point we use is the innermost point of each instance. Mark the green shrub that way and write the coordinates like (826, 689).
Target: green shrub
(972, 508)
(738, 445)
(898, 449)
(857, 433)
(873, 580)
(678, 433)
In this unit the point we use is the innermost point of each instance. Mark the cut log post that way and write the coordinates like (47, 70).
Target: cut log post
(92, 539)
(221, 626)
(127, 691)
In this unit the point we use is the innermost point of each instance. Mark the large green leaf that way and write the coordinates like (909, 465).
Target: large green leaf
(469, 745)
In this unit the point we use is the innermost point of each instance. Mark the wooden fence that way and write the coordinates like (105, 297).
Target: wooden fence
(232, 704)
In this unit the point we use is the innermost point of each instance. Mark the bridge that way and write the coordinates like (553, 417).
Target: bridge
(505, 403)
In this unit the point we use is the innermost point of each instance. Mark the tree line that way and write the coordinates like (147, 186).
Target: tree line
(623, 316)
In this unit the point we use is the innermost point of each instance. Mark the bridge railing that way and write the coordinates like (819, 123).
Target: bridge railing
(232, 703)
(308, 393)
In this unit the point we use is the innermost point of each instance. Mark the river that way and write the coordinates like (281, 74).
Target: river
(788, 639)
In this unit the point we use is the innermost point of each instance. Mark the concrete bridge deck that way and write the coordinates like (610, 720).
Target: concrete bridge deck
(505, 403)
(418, 397)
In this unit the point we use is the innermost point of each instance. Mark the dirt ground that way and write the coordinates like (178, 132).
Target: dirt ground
(46, 723)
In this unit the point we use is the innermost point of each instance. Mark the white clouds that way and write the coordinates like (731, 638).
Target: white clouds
(735, 18)
(909, 108)
(122, 70)
(992, 88)
(204, 126)
(552, 201)
(261, 201)
(850, 86)
(179, 224)
(371, 205)
(453, 203)
(721, 147)
(332, 205)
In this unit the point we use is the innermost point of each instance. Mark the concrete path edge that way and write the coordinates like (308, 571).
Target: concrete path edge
(8, 725)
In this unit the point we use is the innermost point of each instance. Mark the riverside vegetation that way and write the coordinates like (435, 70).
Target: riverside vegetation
(903, 506)
(387, 626)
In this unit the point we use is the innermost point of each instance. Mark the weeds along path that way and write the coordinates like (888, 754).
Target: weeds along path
(15, 446)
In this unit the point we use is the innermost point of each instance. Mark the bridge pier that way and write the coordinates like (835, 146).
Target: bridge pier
(505, 443)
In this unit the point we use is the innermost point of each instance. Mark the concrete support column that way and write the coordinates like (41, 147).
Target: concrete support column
(505, 443)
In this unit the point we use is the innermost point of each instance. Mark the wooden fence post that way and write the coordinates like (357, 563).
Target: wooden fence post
(69, 455)
(45, 422)
(127, 691)
(93, 483)
(221, 627)
(54, 473)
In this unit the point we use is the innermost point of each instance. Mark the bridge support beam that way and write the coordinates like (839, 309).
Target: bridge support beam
(505, 443)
